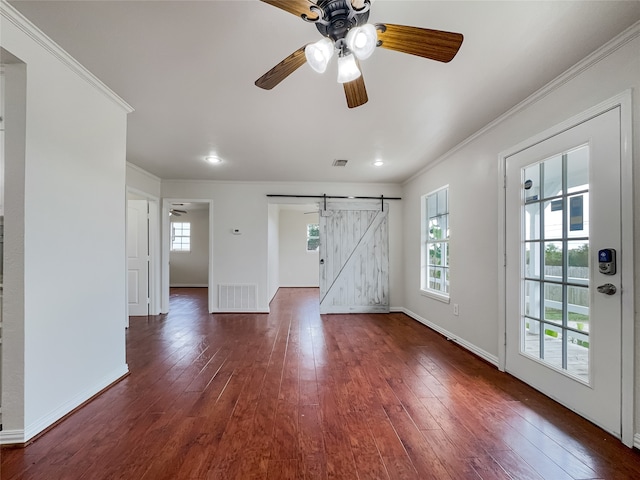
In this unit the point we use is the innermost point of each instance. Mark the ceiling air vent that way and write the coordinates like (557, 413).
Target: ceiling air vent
(340, 163)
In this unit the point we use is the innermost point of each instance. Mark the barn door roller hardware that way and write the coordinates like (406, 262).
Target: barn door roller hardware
(324, 197)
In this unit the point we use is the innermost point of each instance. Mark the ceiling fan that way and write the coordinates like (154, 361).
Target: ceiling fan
(175, 212)
(343, 25)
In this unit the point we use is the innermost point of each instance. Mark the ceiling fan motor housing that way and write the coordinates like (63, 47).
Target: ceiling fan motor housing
(338, 18)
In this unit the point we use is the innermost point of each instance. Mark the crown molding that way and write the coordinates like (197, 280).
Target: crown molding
(142, 171)
(589, 61)
(10, 14)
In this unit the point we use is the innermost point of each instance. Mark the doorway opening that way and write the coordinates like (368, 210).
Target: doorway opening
(343, 246)
(298, 253)
(187, 248)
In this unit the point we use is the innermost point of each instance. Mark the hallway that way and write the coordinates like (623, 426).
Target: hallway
(293, 395)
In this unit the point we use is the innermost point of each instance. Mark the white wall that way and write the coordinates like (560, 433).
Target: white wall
(73, 295)
(13, 287)
(191, 269)
(273, 246)
(243, 259)
(472, 173)
(298, 268)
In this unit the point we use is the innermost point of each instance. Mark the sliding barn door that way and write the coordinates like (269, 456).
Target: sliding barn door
(354, 258)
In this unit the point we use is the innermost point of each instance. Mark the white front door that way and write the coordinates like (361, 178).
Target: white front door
(354, 258)
(563, 335)
(137, 257)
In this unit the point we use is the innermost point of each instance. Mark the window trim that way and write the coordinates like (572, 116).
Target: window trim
(441, 296)
(173, 236)
(307, 238)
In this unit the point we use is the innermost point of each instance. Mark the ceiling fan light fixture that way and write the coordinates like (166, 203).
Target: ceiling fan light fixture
(214, 159)
(318, 54)
(347, 68)
(362, 41)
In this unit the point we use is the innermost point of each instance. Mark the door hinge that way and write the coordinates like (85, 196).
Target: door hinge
(504, 261)
(504, 182)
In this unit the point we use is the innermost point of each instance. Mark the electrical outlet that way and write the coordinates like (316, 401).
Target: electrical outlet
(455, 309)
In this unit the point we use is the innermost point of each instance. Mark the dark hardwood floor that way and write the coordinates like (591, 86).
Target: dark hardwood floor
(293, 395)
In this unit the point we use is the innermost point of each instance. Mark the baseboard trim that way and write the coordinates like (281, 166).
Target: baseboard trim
(12, 437)
(636, 441)
(22, 438)
(188, 285)
(486, 356)
(241, 311)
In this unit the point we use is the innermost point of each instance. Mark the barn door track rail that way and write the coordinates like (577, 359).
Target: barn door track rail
(324, 197)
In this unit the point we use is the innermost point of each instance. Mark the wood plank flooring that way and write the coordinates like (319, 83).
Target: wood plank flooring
(293, 395)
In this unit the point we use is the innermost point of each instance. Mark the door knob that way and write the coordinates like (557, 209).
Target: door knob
(607, 289)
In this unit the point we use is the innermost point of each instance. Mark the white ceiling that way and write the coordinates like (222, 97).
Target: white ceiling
(188, 69)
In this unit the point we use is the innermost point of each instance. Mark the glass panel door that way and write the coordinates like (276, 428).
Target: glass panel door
(563, 330)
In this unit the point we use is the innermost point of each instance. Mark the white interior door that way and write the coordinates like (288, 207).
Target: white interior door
(562, 208)
(354, 258)
(137, 257)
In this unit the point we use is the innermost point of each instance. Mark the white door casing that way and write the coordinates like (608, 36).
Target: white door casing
(137, 257)
(598, 397)
(165, 243)
(354, 258)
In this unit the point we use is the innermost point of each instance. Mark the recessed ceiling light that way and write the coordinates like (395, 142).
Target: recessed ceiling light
(378, 163)
(213, 159)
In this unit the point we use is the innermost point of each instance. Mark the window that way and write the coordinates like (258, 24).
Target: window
(180, 236)
(313, 237)
(555, 262)
(435, 244)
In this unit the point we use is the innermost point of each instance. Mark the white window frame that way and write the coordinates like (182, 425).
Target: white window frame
(178, 246)
(308, 237)
(425, 289)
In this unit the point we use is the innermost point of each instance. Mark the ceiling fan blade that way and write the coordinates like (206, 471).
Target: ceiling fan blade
(433, 44)
(296, 7)
(282, 70)
(174, 210)
(355, 92)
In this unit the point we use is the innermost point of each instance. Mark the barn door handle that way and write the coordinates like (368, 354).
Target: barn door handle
(322, 261)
